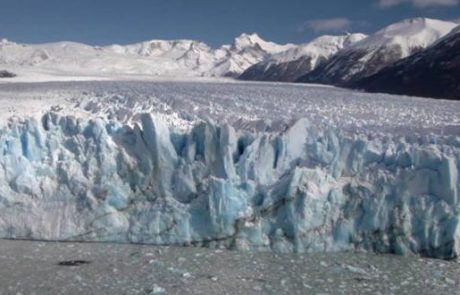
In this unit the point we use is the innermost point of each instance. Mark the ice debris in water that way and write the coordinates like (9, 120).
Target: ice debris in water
(157, 290)
(305, 189)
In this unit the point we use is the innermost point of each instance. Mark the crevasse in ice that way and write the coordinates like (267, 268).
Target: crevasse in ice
(305, 189)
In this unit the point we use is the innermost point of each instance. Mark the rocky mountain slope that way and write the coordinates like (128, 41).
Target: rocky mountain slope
(434, 72)
(290, 65)
(379, 50)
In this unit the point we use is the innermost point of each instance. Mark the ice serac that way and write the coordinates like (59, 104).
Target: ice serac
(306, 189)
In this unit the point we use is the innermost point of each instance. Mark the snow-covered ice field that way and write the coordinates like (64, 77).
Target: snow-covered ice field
(242, 165)
(242, 104)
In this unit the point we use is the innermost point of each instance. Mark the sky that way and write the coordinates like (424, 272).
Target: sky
(216, 22)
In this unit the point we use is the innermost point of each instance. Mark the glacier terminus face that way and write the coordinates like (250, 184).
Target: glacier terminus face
(184, 164)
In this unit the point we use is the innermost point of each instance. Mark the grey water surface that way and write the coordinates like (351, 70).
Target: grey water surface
(74, 268)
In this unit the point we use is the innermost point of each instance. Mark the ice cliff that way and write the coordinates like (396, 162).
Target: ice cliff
(308, 188)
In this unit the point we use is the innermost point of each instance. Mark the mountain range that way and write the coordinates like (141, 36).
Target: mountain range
(414, 56)
(290, 65)
(155, 57)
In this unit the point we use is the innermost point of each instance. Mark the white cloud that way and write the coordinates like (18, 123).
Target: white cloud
(418, 3)
(327, 25)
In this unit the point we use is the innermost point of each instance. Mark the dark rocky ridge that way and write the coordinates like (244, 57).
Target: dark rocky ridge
(347, 67)
(282, 72)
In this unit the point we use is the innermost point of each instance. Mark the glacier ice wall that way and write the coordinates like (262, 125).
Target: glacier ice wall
(305, 189)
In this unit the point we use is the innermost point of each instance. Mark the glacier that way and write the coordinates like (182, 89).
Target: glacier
(308, 187)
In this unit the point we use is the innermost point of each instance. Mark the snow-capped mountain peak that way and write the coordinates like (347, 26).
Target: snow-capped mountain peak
(160, 47)
(253, 40)
(291, 64)
(245, 51)
(246, 40)
(155, 57)
(385, 47)
(409, 33)
(434, 72)
(322, 46)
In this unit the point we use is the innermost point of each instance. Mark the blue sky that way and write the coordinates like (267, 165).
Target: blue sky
(102, 22)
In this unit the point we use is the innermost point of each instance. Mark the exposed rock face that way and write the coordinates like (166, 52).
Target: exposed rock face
(282, 72)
